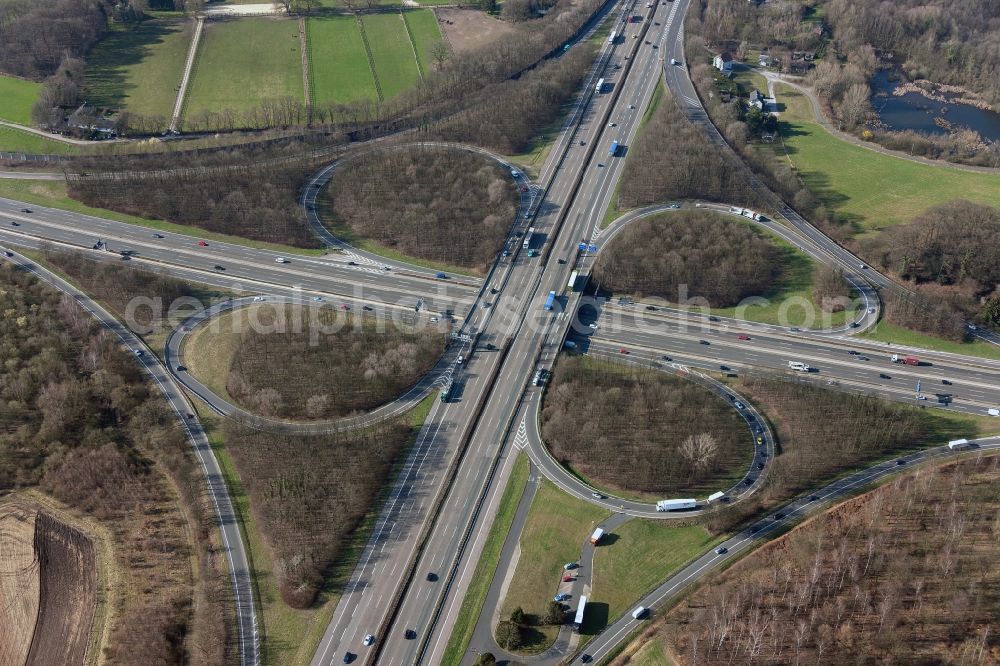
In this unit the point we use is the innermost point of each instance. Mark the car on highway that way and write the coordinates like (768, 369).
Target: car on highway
(760, 466)
(157, 235)
(258, 299)
(901, 462)
(569, 566)
(721, 550)
(219, 267)
(739, 405)
(862, 266)
(506, 253)
(190, 415)
(8, 253)
(704, 342)
(369, 639)
(779, 516)
(597, 495)
(812, 498)
(871, 310)
(742, 336)
(318, 299)
(515, 173)
(758, 429)
(138, 352)
(367, 308)
(201, 243)
(666, 358)
(181, 368)
(724, 368)
(410, 634)
(612, 124)
(882, 375)
(348, 657)
(651, 308)
(760, 440)
(431, 577)
(17, 224)
(26, 210)
(524, 188)
(441, 276)
(863, 358)
(631, 106)
(713, 318)
(345, 307)
(281, 260)
(622, 350)
(560, 597)
(352, 263)
(946, 382)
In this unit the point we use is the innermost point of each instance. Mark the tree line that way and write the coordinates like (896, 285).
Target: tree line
(898, 575)
(293, 374)
(82, 424)
(689, 255)
(820, 433)
(309, 494)
(672, 159)
(641, 431)
(447, 206)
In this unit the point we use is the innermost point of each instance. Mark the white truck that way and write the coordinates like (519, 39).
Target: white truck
(595, 538)
(716, 496)
(676, 504)
(956, 444)
(527, 238)
(798, 366)
(599, 88)
(993, 411)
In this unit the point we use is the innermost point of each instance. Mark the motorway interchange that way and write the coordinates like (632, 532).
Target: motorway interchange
(409, 582)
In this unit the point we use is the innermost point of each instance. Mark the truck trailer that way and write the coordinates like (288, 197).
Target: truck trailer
(908, 360)
(550, 300)
(527, 237)
(676, 504)
(956, 444)
(580, 610)
(595, 538)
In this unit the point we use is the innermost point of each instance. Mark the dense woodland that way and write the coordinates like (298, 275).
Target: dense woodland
(906, 574)
(81, 423)
(822, 432)
(310, 494)
(116, 285)
(442, 205)
(325, 375)
(689, 255)
(253, 201)
(642, 430)
(672, 159)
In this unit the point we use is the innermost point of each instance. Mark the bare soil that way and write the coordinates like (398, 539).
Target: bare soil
(470, 29)
(18, 582)
(67, 593)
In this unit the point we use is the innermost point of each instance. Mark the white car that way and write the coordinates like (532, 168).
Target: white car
(593, 325)
(434, 320)
(318, 299)
(739, 405)
(369, 639)
(258, 299)
(281, 260)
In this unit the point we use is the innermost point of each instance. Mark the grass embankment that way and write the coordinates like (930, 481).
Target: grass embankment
(886, 332)
(482, 578)
(53, 194)
(338, 66)
(869, 189)
(638, 556)
(642, 433)
(16, 99)
(18, 141)
(243, 62)
(139, 69)
(556, 528)
(900, 574)
(423, 26)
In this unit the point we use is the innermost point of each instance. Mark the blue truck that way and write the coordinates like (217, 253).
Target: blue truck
(614, 149)
(550, 300)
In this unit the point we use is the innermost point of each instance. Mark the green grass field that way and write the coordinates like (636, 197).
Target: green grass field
(556, 528)
(242, 62)
(139, 69)
(338, 66)
(16, 98)
(869, 189)
(650, 654)
(475, 596)
(423, 26)
(395, 66)
(15, 140)
(642, 556)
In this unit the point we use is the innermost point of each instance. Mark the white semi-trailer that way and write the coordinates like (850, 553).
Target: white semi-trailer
(676, 504)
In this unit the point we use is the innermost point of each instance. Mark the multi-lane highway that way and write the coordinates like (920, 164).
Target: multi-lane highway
(408, 585)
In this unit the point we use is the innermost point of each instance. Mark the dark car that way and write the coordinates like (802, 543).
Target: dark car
(901, 461)
(713, 318)
(431, 577)
(410, 634)
(946, 382)
(348, 657)
(181, 368)
(190, 415)
(26, 210)
(724, 368)
(704, 342)
(367, 308)
(882, 375)
(666, 358)
(779, 516)
(651, 308)
(760, 466)
(812, 498)
(220, 267)
(17, 224)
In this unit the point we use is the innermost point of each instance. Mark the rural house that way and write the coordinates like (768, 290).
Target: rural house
(724, 62)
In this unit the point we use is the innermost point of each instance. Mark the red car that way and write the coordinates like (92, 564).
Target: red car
(202, 244)
(622, 351)
(343, 306)
(743, 336)
(524, 189)
(568, 579)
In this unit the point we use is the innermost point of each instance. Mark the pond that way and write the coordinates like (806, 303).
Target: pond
(914, 111)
